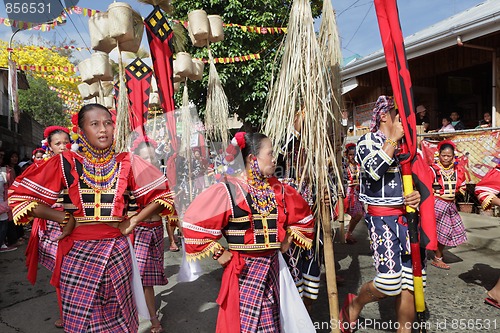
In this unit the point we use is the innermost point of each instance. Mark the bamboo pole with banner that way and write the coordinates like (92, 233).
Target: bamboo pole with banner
(413, 167)
(302, 90)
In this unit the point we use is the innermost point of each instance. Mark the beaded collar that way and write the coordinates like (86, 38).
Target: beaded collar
(261, 193)
(100, 169)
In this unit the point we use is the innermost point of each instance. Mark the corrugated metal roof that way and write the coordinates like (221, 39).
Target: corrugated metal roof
(474, 22)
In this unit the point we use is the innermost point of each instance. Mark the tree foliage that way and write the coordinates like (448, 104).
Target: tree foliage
(246, 83)
(42, 103)
(39, 101)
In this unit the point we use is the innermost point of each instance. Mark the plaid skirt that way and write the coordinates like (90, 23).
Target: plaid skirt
(148, 246)
(47, 245)
(450, 227)
(354, 206)
(96, 287)
(259, 295)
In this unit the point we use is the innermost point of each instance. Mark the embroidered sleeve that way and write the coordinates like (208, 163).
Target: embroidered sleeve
(300, 222)
(148, 184)
(36, 186)
(204, 220)
(373, 160)
(488, 188)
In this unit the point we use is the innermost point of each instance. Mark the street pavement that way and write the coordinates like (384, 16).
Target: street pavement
(454, 298)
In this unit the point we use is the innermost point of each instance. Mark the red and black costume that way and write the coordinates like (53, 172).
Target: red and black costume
(94, 265)
(447, 182)
(488, 187)
(249, 294)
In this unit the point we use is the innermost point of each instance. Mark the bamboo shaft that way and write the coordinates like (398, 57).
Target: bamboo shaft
(331, 276)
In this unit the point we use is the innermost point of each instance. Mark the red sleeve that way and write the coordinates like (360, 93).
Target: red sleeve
(300, 220)
(148, 184)
(488, 187)
(40, 185)
(461, 184)
(204, 219)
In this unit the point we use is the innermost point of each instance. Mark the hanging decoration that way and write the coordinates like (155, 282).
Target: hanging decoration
(52, 48)
(59, 77)
(138, 80)
(91, 12)
(126, 27)
(41, 68)
(217, 108)
(160, 43)
(48, 26)
(299, 101)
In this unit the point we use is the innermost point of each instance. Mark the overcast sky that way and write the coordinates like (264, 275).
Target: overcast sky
(356, 20)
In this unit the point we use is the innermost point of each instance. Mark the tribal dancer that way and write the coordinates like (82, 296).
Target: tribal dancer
(258, 216)
(487, 191)
(352, 204)
(148, 241)
(94, 267)
(449, 178)
(42, 245)
(381, 188)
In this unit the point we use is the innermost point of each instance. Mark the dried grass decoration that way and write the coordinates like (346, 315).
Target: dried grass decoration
(217, 109)
(126, 26)
(301, 97)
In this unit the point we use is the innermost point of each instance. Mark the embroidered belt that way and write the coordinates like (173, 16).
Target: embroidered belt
(254, 247)
(103, 219)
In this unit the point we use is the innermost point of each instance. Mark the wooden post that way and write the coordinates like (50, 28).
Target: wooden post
(331, 276)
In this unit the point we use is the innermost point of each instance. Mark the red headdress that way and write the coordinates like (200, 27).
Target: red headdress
(141, 139)
(446, 142)
(237, 142)
(349, 146)
(51, 129)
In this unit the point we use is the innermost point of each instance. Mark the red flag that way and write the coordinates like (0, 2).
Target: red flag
(138, 76)
(160, 43)
(399, 74)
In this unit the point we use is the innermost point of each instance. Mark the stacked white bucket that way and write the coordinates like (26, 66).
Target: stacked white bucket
(120, 26)
(202, 29)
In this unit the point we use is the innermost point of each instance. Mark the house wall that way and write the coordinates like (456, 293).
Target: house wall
(433, 77)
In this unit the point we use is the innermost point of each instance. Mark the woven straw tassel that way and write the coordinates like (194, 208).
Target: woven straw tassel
(122, 127)
(217, 108)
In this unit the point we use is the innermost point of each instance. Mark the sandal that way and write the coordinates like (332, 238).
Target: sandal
(346, 326)
(439, 263)
(173, 248)
(59, 323)
(492, 302)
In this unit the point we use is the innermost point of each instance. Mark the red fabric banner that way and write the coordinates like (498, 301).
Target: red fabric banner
(399, 74)
(160, 43)
(138, 77)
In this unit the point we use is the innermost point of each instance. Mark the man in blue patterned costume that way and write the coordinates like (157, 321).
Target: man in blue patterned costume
(381, 189)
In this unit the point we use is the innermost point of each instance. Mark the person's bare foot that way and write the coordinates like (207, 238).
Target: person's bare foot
(59, 323)
(494, 295)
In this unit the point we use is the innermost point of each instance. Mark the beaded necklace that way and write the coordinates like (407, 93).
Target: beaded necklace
(261, 193)
(446, 171)
(100, 170)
